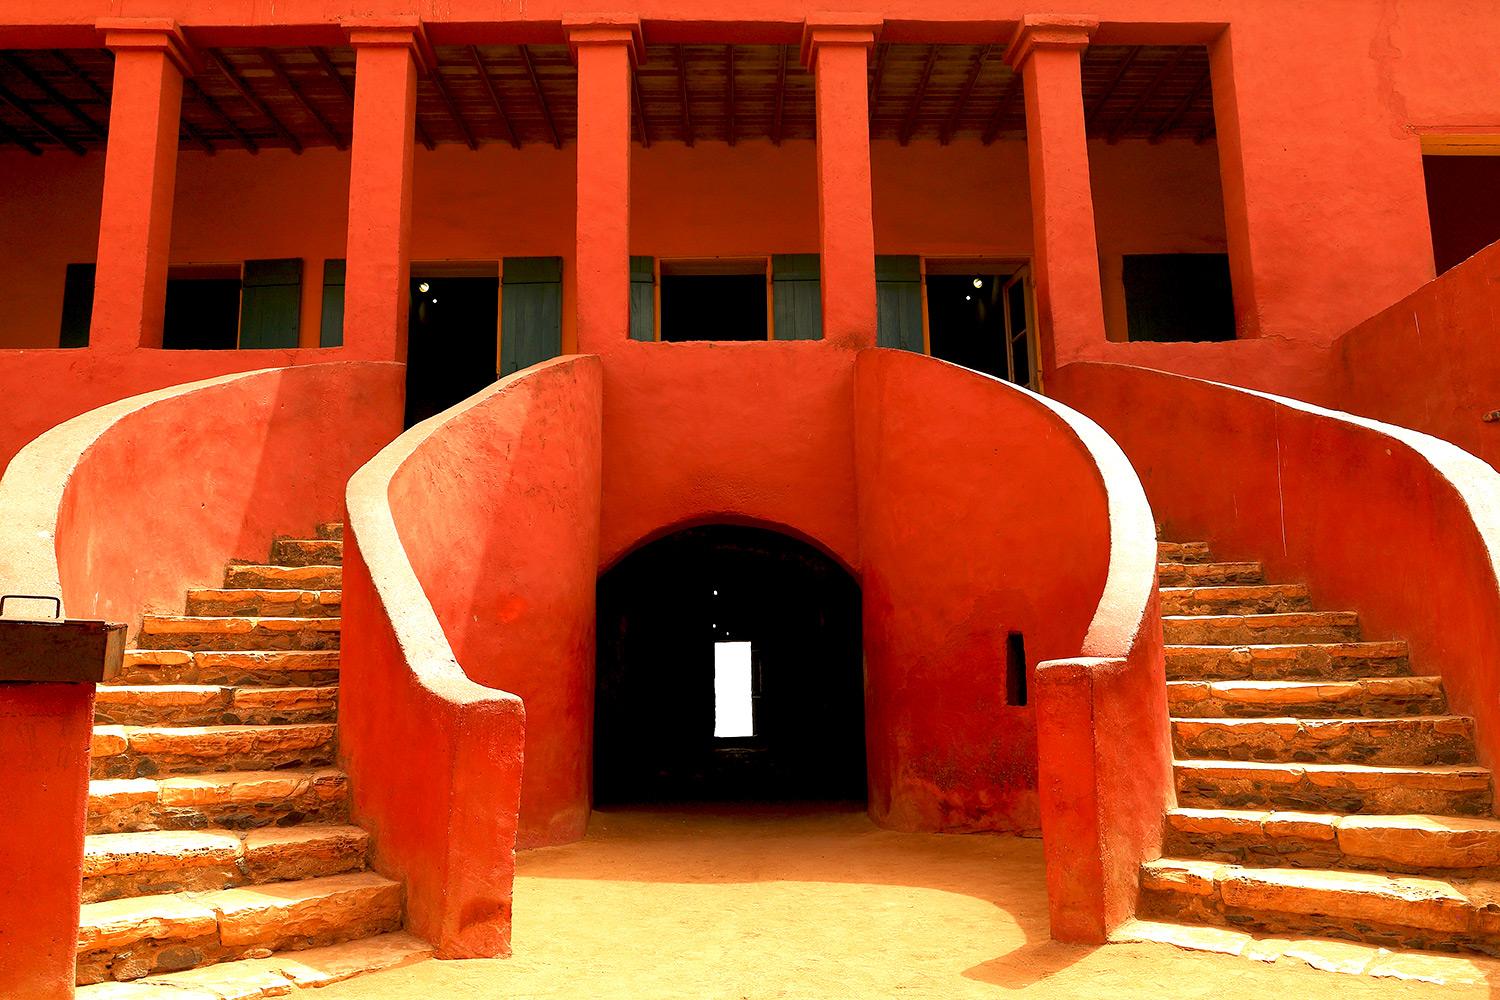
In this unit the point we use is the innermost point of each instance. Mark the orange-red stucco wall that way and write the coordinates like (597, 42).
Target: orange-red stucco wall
(753, 199)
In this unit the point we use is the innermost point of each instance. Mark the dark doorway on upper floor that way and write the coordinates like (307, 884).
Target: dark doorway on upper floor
(1178, 297)
(452, 334)
(1463, 206)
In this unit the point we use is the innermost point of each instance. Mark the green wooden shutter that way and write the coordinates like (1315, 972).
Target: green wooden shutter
(331, 332)
(271, 303)
(78, 306)
(530, 311)
(642, 298)
(898, 299)
(797, 296)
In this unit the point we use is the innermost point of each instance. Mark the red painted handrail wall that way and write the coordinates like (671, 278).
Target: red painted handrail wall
(985, 508)
(123, 508)
(473, 539)
(1398, 525)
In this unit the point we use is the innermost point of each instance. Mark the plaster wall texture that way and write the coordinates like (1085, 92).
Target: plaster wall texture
(498, 578)
(1346, 503)
(1429, 362)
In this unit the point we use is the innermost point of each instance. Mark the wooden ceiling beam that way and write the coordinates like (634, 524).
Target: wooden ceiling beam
(242, 88)
(53, 94)
(1007, 97)
(321, 55)
(640, 108)
(11, 135)
(51, 131)
(909, 124)
(268, 57)
(1124, 124)
(682, 93)
(956, 114)
(190, 87)
(1171, 120)
(494, 94)
(541, 98)
(1092, 115)
(777, 115)
(441, 86)
(875, 76)
(729, 90)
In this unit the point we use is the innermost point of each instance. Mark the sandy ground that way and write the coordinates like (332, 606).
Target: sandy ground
(804, 903)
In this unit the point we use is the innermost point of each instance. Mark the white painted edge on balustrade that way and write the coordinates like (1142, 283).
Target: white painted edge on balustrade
(404, 602)
(35, 484)
(1130, 581)
(1475, 481)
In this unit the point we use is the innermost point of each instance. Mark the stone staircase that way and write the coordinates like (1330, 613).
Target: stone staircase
(1323, 789)
(219, 860)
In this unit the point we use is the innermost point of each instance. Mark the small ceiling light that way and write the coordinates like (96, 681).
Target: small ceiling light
(424, 287)
(967, 298)
(978, 282)
(716, 593)
(434, 301)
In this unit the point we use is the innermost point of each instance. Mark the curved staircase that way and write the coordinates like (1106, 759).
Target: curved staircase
(219, 859)
(1323, 789)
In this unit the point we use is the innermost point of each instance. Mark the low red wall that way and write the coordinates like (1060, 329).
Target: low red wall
(1429, 362)
(124, 508)
(473, 539)
(45, 387)
(44, 763)
(983, 510)
(1357, 509)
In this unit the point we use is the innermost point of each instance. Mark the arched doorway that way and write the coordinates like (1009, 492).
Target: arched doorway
(729, 669)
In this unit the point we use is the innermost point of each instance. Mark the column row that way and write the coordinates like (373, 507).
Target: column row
(152, 59)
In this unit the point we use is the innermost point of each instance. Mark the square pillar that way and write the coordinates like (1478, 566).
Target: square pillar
(387, 57)
(606, 49)
(1047, 52)
(836, 50)
(140, 178)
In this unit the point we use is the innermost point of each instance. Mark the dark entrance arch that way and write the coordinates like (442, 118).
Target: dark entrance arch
(663, 611)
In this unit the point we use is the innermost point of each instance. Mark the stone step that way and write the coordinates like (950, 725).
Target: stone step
(279, 975)
(261, 577)
(1327, 955)
(236, 668)
(143, 752)
(233, 799)
(218, 634)
(1288, 661)
(307, 552)
(1238, 599)
(125, 939)
(1234, 630)
(212, 705)
(116, 865)
(1395, 911)
(1438, 789)
(1219, 574)
(263, 602)
(1369, 696)
(1183, 552)
(1409, 844)
(333, 530)
(1412, 740)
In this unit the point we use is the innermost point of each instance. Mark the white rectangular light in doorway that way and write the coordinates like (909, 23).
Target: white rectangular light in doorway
(733, 711)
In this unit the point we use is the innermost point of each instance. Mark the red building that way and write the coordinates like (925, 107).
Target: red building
(570, 319)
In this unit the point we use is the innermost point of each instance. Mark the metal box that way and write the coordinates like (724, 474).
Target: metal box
(59, 650)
